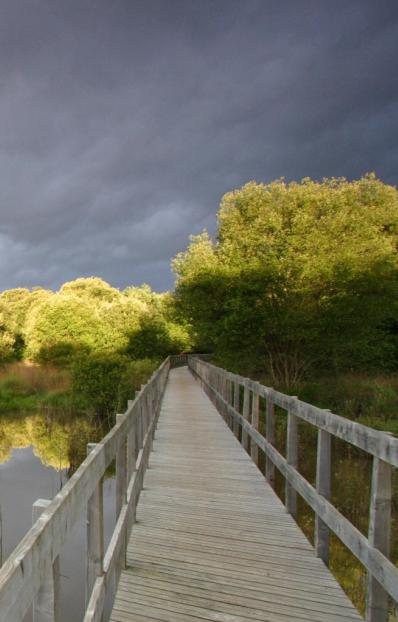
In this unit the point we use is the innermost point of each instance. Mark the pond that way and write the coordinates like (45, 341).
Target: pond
(38, 453)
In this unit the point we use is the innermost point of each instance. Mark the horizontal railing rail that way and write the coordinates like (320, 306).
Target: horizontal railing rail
(30, 576)
(225, 389)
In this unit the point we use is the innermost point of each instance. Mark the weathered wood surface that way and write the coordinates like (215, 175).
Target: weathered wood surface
(212, 541)
(372, 552)
(379, 444)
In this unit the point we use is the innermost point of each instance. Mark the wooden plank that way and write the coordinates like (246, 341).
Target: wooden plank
(213, 541)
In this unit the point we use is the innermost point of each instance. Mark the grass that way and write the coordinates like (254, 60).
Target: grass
(27, 387)
(370, 400)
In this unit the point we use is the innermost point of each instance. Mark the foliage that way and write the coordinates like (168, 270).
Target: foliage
(87, 316)
(295, 268)
(91, 330)
(372, 400)
(102, 383)
(98, 381)
(91, 289)
(157, 338)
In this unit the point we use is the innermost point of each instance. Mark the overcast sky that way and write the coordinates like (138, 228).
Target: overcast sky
(123, 122)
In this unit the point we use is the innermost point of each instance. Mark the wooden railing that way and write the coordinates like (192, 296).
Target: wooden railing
(242, 414)
(30, 576)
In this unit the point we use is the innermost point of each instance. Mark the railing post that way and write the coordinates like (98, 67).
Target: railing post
(236, 406)
(95, 534)
(151, 414)
(144, 411)
(246, 410)
(227, 397)
(131, 445)
(323, 464)
(121, 489)
(221, 392)
(46, 603)
(292, 460)
(255, 424)
(270, 436)
(1, 539)
(132, 452)
(121, 471)
(230, 391)
(379, 536)
(140, 437)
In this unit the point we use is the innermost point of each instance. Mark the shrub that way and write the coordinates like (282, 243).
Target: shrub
(102, 383)
(61, 354)
(157, 338)
(98, 381)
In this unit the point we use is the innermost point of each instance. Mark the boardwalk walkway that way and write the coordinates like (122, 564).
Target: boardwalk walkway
(212, 541)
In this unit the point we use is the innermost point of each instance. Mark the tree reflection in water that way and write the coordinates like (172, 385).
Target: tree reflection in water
(58, 440)
(38, 453)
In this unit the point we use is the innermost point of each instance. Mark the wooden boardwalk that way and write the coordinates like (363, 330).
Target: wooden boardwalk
(212, 540)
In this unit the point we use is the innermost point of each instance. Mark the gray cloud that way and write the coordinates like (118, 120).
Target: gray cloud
(122, 123)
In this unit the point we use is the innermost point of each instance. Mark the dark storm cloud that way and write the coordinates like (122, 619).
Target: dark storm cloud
(122, 123)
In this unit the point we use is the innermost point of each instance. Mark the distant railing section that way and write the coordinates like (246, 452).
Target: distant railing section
(31, 576)
(179, 360)
(225, 389)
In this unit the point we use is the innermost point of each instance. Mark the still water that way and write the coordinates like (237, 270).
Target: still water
(38, 453)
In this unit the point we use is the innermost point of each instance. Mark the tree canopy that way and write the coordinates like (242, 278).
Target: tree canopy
(87, 316)
(301, 276)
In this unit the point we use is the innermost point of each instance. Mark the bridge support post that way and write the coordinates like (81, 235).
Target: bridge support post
(46, 604)
(323, 464)
(379, 536)
(292, 459)
(95, 534)
(270, 436)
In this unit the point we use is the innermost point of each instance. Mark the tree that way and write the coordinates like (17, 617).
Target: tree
(294, 269)
(91, 289)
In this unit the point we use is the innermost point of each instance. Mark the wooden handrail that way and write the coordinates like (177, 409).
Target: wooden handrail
(29, 570)
(224, 388)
